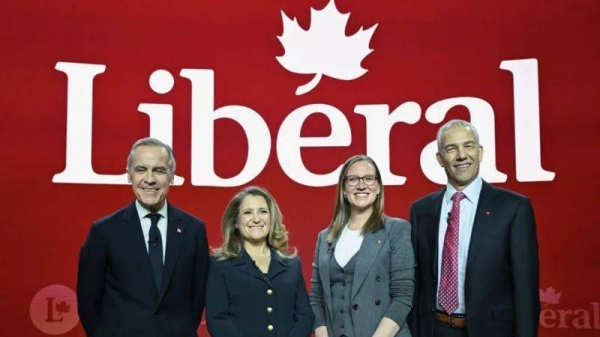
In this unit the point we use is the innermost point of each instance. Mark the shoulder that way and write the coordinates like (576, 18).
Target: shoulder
(505, 196)
(185, 216)
(218, 271)
(219, 265)
(426, 201)
(391, 222)
(214, 261)
(294, 262)
(114, 219)
(323, 234)
(396, 226)
(506, 193)
(293, 266)
(117, 215)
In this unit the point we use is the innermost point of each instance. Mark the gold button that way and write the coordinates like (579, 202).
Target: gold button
(269, 292)
(269, 310)
(270, 327)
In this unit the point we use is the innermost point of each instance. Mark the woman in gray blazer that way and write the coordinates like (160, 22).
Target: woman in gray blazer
(363, 270)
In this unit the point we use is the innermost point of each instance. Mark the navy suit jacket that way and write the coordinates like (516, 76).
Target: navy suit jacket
(116, 292)
(238, 299)
(502, 272)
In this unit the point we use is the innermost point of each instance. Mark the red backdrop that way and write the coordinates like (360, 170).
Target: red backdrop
(424, 52)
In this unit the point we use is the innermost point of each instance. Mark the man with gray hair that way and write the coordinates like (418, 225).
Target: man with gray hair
(143, 269)
(476, 249)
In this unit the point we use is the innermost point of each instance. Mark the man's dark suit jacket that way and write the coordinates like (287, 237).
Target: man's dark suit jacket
(238, 299)
(502, 272)
(116, 292)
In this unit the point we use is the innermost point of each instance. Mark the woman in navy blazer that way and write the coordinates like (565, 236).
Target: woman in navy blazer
(255, 284)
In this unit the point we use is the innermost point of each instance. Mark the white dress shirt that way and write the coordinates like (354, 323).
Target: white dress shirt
(146, 223)
(347, 245)
(468, 208)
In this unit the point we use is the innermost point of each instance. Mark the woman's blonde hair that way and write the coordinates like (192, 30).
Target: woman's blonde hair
(341, 213)
(233, 242)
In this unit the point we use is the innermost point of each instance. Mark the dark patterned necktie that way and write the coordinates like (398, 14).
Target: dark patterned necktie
(448, 292)
(155, 248)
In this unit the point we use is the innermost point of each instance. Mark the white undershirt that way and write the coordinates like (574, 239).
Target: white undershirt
(348, 244)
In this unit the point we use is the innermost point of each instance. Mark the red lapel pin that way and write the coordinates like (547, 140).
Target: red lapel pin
(487, 213)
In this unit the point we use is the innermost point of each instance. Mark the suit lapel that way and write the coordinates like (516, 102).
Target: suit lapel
(324, 254)
(175, 231)
(433, 228)
(134, 238)
(367, 253)
(277, 265)
(482, 222)
(248, 266)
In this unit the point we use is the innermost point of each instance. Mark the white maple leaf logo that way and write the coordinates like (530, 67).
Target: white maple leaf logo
(324, 49)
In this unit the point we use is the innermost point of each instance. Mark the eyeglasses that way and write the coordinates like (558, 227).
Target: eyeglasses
(369, 180)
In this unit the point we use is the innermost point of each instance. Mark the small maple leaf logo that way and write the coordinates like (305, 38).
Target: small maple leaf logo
(324, 49)
(550, 296)
(62, 307)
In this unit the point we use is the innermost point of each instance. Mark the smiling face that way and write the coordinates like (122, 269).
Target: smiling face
(150, 176)
(254, 219)
(460, 156)
(361, 196)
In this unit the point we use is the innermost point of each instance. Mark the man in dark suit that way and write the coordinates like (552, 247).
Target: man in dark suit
(143, 269)
(476, 249)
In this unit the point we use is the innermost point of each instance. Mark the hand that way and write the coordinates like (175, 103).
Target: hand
(387, 327)
(321, 332)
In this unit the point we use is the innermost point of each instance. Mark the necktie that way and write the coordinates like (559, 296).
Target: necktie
(155, 248)
(448, 292)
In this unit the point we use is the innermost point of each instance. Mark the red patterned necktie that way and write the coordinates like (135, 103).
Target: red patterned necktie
(448, 292)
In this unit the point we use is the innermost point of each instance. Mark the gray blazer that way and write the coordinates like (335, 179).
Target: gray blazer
(383, 280)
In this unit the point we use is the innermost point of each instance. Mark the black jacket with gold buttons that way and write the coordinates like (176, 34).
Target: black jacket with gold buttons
(241, 301)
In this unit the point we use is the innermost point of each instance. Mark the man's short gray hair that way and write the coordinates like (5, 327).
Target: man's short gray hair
(149, 141)
(451, 124)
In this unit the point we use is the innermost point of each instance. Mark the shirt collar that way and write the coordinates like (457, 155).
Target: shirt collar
(472, 191)
(142, 212)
